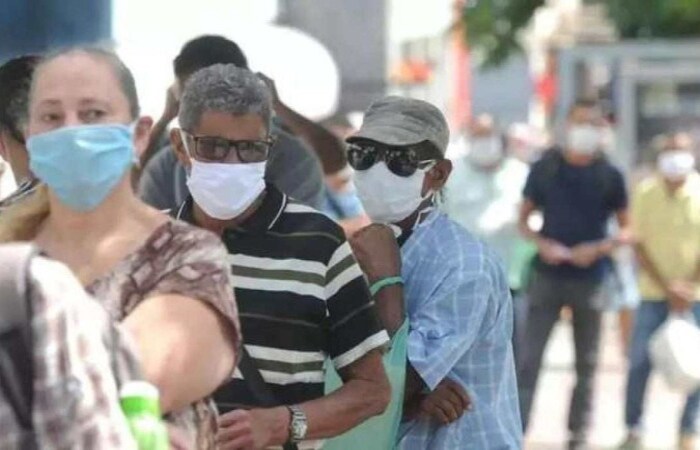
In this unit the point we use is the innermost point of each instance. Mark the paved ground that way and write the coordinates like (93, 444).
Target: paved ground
(548, 427)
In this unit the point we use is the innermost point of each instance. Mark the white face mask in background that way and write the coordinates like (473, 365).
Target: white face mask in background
(225, 191)
(485, 151)
(584, 139)
(389, 198)
(675, 165)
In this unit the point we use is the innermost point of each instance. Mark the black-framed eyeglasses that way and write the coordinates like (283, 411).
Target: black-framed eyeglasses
(403, 161)
(218, 149)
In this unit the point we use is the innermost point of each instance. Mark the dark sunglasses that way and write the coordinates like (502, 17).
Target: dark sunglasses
(403, 161)
(217, 149)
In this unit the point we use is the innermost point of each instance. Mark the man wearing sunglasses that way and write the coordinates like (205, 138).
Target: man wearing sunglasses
(301, 295)
(460, 387)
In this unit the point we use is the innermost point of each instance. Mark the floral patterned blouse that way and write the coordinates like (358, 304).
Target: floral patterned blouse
(183, 260)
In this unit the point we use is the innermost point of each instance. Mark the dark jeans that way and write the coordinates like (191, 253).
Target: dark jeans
(648, 319)
(546, 297)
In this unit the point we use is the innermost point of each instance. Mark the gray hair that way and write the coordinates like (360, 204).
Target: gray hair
(224, 88)
(121, 71)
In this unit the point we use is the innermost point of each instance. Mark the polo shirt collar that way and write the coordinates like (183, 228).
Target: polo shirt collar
(689, 187)
(266, 216)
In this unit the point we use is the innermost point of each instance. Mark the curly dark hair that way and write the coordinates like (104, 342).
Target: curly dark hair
(205, 51)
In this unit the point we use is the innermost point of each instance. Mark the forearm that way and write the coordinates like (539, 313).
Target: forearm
(356, 401)
(344, 409)
(607, 246)
(390, 306)
(329, 149)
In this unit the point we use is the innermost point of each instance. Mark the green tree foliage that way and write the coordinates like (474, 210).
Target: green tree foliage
(493, 26)
(656, 18)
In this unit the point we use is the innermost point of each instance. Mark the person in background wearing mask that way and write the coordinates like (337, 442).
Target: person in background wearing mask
(292, 167)
(167, 283)
(483, 195)
(577, 191)
(300, 291)
(460, 383)
(15, 80)
(525, 142)
(666, 222)
(341, 202)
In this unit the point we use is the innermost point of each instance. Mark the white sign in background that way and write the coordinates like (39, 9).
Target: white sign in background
(149, 35)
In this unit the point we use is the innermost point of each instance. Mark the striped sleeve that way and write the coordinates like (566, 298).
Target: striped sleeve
(354, 325)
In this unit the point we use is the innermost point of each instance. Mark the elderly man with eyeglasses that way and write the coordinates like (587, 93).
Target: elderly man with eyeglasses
(301, 295)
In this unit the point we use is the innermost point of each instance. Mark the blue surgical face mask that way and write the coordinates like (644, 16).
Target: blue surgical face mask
(82, 164)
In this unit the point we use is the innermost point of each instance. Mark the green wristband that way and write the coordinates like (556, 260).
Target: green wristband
(384, 282)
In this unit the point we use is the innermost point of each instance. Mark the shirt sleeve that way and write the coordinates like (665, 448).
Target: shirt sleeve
(446, 325)
(195, 265)
(354, 325)
(619, 198)
(532, 190)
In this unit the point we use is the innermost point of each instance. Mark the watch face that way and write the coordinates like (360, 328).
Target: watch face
(299, 428)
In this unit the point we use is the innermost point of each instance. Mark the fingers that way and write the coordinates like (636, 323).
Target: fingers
(238, 436)
(431, 409)
(448, 411)
(234, 417)
(446, 404)
(460, 393)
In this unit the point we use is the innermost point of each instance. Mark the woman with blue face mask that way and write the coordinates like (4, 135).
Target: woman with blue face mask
(166, 282)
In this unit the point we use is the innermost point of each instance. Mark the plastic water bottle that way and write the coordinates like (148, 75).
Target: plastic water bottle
(140, 404)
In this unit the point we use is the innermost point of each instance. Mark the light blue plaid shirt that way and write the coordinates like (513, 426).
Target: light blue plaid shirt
(461, 322)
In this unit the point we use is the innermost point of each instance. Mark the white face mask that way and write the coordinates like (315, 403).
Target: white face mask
(584, 139)
(485, 151)
(389, 198)
(675, 165)
(225, 191)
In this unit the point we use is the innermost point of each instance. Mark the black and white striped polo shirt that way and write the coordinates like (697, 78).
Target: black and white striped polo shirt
(301, 298)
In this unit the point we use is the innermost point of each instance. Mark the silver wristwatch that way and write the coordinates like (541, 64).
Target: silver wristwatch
(298, 425)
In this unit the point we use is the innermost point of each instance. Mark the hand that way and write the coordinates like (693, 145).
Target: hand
(446, 403)
(680, 296)
(172, 103)
(377, 252)
(584, 255)
(246, 430)
(272, 87)
(552, 252)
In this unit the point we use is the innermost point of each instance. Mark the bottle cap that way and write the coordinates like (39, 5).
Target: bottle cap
(139, 397)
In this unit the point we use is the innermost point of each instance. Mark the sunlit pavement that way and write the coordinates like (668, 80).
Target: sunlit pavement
(548, 425)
